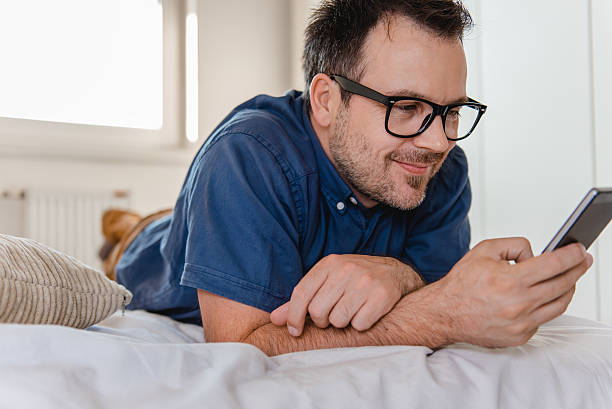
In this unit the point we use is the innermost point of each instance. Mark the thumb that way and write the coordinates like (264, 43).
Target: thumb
(279, 315)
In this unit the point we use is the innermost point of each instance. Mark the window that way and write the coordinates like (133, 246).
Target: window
(95, 62)
(92, 74)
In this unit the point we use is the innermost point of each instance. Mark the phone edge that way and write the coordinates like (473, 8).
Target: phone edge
(584, 203)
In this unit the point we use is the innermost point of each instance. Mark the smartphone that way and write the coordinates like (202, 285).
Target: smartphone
(587, 221)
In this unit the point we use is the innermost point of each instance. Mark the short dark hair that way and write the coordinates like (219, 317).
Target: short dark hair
(338, 29)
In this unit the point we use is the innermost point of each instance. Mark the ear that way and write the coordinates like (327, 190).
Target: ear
(324, 99)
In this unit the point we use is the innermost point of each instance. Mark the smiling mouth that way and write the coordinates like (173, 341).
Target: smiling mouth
(414, 168)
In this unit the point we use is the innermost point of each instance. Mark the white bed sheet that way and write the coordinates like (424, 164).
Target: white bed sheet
(149, 361)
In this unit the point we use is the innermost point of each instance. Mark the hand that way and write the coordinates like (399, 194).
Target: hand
(349, 288)
(490, 302)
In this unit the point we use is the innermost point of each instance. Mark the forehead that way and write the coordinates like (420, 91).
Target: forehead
(399, 55)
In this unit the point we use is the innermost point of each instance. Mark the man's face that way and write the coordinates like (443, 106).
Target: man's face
(403, 61)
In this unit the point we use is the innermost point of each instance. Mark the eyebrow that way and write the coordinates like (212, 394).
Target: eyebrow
(411, 94)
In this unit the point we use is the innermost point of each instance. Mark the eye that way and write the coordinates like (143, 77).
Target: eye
(407, 107)
(453, 114)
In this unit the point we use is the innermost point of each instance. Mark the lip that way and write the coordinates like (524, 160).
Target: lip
(414, 168)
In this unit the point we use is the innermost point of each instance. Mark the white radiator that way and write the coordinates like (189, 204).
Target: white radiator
(69, 221)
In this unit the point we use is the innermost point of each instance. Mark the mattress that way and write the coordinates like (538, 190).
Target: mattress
(144, 360)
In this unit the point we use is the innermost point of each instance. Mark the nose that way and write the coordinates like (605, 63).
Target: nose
(434, 138)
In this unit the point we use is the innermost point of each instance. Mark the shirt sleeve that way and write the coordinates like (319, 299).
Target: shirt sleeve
(441, 234)
(243, 237)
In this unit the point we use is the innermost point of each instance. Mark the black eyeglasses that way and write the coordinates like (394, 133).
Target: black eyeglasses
(408, 117)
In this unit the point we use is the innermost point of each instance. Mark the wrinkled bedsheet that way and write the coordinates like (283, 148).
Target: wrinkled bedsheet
(143, 360)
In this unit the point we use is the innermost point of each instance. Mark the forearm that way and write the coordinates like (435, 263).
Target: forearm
(413, 321)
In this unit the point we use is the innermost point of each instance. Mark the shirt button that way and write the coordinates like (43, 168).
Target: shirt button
(340, 206)
(353, 200)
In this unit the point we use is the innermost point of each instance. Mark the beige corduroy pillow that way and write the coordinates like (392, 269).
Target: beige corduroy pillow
(39, 285)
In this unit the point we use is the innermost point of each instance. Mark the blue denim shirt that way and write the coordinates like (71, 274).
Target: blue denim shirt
(262, 203)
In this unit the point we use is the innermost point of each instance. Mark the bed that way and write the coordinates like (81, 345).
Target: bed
(139, 359)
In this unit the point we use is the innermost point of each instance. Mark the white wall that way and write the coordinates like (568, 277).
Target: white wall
(474, 145)
(602, 90)
(244, 49)
(541, 146)
(152, 186)
(300, 12)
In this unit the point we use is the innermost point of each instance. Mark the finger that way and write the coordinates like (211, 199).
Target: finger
(368, 315)
(519, 251)
(300, 299)
(332, 290)
(508, 249)
(344, 311)
(551, 289)
(279, 315)
(551, 264)
(524, 254)
(590, 260)
(321, 305)
(553, 308)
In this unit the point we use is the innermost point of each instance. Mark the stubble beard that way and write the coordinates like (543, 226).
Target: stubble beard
(358, 165)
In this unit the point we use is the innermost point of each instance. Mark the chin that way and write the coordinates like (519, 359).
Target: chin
(406, 197)
(415, 198)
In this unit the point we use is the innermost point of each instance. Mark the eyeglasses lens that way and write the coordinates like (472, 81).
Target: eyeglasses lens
(409, 117)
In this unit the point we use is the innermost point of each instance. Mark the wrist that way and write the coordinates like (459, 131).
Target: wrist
(444, 314)
(408, 278)
(427, 310)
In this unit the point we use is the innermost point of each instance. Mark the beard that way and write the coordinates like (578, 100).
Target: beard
(357, 163)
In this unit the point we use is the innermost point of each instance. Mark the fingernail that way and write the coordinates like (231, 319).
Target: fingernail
(293, 331)
(589, 260)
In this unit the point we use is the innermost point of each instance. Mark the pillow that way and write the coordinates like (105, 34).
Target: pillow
(39, 285)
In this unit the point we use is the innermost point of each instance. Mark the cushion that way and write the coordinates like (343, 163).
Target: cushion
(39, 285)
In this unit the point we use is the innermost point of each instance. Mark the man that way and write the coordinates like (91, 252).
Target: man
(339, 217)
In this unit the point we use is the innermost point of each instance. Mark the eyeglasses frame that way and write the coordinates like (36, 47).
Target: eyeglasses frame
(442, 110)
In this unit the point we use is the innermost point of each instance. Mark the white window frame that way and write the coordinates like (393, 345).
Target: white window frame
(34, 138)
